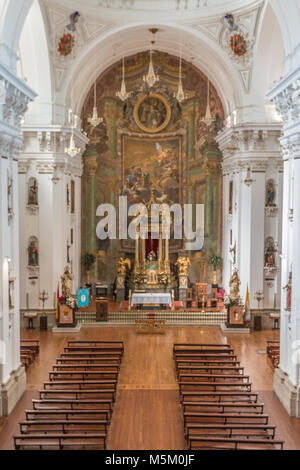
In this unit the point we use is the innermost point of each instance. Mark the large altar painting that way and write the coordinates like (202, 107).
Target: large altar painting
(152, 164)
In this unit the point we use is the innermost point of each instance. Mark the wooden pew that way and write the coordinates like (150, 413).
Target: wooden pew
(87, 355)
(88, 361)
(81, 384)
(214, 387)
(87, 367)
(60, 441)
(93, 349)
(210, 369)
(78, 394)
(219, 396)
(222, 407)
(63, 426)
(213, 377)
(222, 443)
(224, 418)
(67, 415)
(263, 431)
(187, 347)
(71, 404)
(207, 357)
(31, 344)
(82, 375)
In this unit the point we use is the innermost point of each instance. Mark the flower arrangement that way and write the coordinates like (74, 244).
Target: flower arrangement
(163, 279)
(230, 301)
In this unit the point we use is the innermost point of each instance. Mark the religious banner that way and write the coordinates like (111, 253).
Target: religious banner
(83, 298)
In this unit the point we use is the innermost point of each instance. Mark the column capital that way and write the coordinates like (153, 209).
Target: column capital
(91, 165)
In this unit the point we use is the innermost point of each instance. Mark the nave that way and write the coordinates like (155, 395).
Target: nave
(147, 413)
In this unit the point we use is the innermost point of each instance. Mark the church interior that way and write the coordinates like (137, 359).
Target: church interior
(149, 212)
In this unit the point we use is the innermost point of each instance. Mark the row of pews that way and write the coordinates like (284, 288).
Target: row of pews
(29, 349)
(273, 352)
(220, 410)
(74, 408)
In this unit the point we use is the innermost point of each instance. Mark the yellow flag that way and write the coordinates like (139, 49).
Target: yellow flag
(247, 306)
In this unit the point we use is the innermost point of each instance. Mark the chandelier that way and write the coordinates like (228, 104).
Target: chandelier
(180, 95)
(95, 120)
(151, 78)
(72, 150)
(208, 120)
(122, 94)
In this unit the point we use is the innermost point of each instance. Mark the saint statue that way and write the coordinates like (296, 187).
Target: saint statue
(123, 264)
(66, 282)
(269, 253)
(235, 285)
(33, 193)
(183, 265)
(33, 254)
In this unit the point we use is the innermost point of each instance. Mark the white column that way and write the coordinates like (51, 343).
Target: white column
(15, 97)
(256, 147)
(285, 95)
(43, 156)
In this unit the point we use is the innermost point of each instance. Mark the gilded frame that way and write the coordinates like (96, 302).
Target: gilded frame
(136, 113)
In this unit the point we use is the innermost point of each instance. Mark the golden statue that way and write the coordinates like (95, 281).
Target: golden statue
(123, 264)
(235, 285)
(183, 265)
(66, 282)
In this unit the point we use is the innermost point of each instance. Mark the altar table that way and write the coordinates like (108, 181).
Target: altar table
(159, 298)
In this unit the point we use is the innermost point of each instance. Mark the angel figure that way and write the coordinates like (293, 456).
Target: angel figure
(183, 265)
(123, 264)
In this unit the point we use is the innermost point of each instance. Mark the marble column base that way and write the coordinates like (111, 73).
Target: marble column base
(12, 391)
(287, 392)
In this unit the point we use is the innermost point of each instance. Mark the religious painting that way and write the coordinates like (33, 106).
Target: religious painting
(32, 192)
(152, 113)
(152, 165)
(270, 194)
(33, 252)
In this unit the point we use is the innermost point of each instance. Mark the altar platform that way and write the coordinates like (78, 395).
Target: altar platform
(118, 314)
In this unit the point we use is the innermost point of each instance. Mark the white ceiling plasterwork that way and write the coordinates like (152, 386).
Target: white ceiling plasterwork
(248, 21)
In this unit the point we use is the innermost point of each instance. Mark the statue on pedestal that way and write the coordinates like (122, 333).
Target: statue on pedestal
(66, 282)
(183, 265)
(235, 285)
(123, 264)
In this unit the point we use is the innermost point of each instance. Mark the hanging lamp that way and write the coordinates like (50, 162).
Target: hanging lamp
(122, 94)
(95, 120)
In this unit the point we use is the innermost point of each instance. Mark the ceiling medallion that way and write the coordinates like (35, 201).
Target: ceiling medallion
(238, 44)
(152, 113)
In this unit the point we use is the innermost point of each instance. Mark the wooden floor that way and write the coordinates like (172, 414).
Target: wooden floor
(147, 412)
